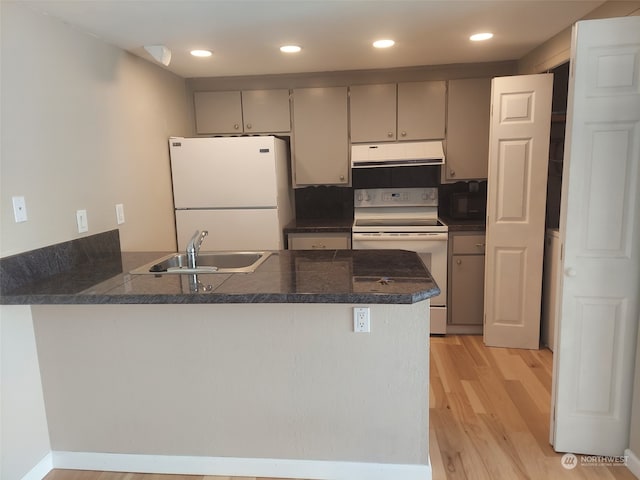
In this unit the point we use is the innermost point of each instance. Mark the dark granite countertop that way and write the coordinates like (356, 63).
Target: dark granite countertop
(458, 225)
(321, 225)
(302, 276)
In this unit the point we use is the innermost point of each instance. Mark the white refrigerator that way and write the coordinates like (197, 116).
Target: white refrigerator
(237, 188)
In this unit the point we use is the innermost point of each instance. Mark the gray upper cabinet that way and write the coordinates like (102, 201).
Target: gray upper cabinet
(373, 112)
(251, 111)
(469, 106)
(266, 111)
(320, 136)
(218, 112)
(421, 110)
(404, 111)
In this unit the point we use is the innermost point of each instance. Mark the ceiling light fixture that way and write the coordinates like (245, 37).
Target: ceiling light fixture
(200, 53)
(384, 43)
(479, 37)
(290, 48)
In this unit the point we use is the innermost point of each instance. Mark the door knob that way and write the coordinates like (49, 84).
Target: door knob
(570, 272)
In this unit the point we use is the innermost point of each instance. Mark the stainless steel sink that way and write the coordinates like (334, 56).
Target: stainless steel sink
(206, 262)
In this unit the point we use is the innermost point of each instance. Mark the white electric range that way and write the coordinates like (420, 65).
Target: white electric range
(407, 219)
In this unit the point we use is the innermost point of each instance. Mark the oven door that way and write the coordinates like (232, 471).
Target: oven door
(430, 246)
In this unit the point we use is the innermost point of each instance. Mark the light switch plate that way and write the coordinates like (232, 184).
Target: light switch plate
(19, 209)
(120, 213)
(81, 219)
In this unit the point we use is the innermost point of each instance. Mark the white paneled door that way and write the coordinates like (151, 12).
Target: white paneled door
(516, 200)
(600, 231)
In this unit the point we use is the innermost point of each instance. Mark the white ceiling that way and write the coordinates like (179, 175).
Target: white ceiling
(335, 34)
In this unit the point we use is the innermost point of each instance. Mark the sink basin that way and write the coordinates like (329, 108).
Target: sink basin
(206, 262)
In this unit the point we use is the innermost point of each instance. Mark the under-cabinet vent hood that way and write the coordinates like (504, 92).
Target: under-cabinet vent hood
(400, 154)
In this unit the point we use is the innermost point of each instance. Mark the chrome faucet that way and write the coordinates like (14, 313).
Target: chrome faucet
(193, 247)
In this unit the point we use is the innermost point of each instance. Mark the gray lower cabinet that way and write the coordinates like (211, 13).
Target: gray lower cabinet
(466, 278)
(320, 241)
(320, 147)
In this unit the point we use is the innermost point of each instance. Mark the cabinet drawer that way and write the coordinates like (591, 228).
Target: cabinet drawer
(468, 244)
(319, 241)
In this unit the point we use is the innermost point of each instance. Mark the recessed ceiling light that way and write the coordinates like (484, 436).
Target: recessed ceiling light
(290, 48)
(383, 43)
(201, 53)
(479, 37)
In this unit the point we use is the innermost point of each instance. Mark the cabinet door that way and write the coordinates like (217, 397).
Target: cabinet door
(373, 112)
(266, 111)
(421, 110)
(218, 112)
(467, 289)
(468, 112)
(320, 136)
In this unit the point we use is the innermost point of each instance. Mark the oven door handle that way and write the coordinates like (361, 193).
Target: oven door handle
(424, 237)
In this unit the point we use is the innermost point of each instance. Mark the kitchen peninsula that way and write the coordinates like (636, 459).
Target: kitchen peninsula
(254, 374)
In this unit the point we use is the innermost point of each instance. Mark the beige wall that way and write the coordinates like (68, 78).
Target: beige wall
(24, 439)
(84, 126)
(557, 49)
(282, 381)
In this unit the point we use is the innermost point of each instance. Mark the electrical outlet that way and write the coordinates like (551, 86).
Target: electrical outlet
(361, 320)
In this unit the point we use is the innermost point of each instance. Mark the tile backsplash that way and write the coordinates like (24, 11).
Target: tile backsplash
(322, 202)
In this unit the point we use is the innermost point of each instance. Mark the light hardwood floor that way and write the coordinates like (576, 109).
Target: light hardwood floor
(489, 414)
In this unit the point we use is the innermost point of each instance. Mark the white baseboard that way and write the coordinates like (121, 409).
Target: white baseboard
(241, 467)
(633, 462)
(42, 468)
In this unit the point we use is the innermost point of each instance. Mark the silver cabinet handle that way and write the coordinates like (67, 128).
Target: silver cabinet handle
(481, 245)
(404, 134)
(341, 177)
(459, 262)
(452, 172)
(315, 247)
(236, 126)
(248, 126)
(389, 134)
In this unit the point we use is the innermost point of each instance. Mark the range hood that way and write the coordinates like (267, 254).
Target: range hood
(399, 154)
